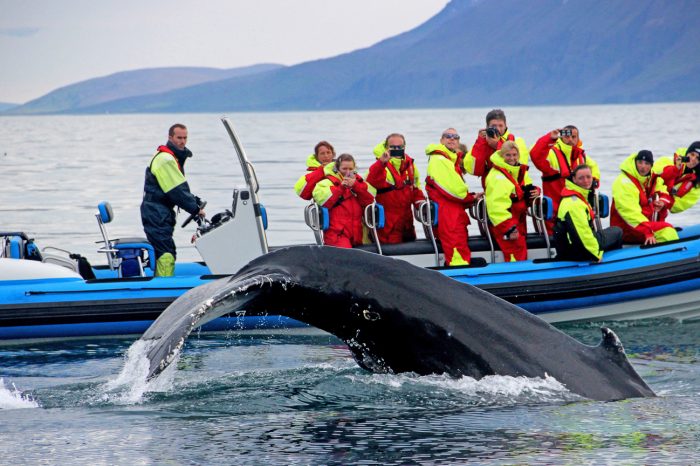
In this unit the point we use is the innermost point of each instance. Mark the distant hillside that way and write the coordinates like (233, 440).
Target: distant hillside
(478, 53)
(6, 106)
(129, 84)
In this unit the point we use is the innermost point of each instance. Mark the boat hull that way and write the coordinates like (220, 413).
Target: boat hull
(632, 283)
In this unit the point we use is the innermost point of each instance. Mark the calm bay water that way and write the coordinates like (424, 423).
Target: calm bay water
(298, 398)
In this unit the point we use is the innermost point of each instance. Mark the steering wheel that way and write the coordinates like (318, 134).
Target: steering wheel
(194, 216)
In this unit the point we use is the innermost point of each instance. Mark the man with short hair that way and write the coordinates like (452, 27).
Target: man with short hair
(556, 154)
(445, 185)
(490, 139)
(164, 188)
(574, 234)
(637, 194)
(395, 177)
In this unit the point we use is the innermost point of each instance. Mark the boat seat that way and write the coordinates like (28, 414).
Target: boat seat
(17, 245)
(425, 246)
(126, 255)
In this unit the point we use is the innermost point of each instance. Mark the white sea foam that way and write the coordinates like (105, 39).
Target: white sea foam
(492, 388)
(12, 398)
(130, 386)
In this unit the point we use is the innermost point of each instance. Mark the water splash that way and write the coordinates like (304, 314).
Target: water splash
(131, 385)
(12, 398)
(492, 389)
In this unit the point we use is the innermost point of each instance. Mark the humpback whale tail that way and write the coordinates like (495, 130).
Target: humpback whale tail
(396, 317)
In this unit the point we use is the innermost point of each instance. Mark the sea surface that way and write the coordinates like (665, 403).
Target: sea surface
(297, 397)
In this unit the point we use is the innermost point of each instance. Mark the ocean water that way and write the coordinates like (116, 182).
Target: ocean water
(297, 397)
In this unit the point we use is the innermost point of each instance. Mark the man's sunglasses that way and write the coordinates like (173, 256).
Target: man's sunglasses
(450, 136)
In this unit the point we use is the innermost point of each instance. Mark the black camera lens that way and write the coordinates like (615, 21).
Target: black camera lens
(492, 132)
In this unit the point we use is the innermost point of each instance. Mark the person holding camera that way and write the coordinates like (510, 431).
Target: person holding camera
(490, 140)
(397, 181)
(681, 175)
(509, 190)
(556, 154)
(575, 237)
(445, 185)
(345, 194)
(324, 153)
(637, 196)
(165, 187)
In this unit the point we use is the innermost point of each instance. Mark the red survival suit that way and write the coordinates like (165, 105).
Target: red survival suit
(445, 185)
(398, 186)
(556, 159)
(345, 206)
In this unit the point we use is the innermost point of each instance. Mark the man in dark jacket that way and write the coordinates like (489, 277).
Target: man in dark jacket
(164, 188)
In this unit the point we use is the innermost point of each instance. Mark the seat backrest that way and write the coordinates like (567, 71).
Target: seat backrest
(16, 248)
(603, 205)
(317, 218)
(105, 213)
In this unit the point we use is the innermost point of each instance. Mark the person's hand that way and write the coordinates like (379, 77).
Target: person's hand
(349, 181)
(478, 196)
(202, 213)
(482, 133)
(554, 134)
(513, 236)
(535, 192)
(385, 157)
(194, 238)
(493, 142)
(650, 240)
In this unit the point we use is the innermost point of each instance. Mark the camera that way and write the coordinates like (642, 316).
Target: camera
(397, 153)
(565, 132)
(685, 159)
(493, 132)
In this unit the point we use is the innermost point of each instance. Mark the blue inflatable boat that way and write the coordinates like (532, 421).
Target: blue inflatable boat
(51, 293)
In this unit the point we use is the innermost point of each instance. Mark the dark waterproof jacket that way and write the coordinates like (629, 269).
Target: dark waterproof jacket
(165, 187)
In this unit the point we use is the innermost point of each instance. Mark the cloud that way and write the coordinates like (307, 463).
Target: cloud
(18, 32)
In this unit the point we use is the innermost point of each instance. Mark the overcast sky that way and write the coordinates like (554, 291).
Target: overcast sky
(46, 44)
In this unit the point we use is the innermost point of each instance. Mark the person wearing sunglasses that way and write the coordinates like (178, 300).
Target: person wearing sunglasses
(395, 177)
(488, 141)
(446, 186)
(324, 153)
(556, 154)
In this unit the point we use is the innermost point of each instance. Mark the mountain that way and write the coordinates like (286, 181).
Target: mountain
(6, 106)
(128, 84)
(478, 53)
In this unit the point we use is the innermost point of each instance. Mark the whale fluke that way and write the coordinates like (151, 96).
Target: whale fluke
(396, 317)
